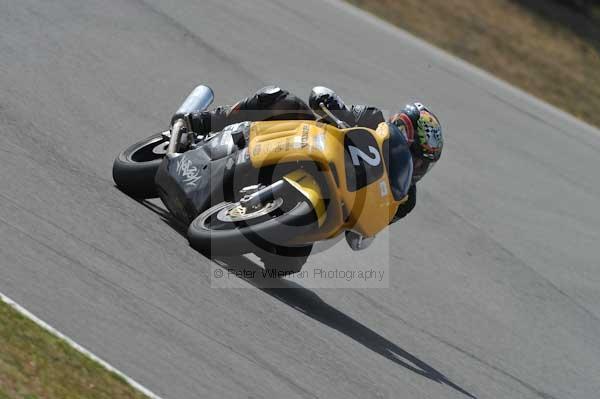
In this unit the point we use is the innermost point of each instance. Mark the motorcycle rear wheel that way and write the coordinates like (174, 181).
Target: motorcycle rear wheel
(135, 167)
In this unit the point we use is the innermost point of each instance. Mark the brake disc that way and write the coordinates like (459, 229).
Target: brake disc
(238, 213)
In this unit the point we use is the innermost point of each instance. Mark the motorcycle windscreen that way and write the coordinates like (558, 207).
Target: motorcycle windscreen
(398, 162)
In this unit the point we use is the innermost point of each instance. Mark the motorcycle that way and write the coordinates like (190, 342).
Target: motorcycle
(274, 187)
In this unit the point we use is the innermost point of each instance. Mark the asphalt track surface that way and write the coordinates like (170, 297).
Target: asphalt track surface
(494, 290)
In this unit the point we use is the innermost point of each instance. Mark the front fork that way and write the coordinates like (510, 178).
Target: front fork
(298, 180)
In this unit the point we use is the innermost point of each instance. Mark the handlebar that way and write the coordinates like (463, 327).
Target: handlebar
(340, 123)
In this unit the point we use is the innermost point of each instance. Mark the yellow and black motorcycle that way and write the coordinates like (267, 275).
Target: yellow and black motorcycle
(273, 187)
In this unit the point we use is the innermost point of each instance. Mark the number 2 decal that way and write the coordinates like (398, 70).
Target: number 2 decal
(363, 161)
(356, 153)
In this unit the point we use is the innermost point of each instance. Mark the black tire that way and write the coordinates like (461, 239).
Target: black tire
(282, 261)
(215, 237)
(135, 167)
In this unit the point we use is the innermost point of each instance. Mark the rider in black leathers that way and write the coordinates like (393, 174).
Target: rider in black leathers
(274, 103)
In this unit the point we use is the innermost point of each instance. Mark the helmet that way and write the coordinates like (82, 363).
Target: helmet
(424, 134)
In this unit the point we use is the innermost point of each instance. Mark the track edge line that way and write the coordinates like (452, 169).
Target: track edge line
(77, 347)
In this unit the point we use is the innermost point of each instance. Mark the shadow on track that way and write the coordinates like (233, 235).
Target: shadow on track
(309, 303)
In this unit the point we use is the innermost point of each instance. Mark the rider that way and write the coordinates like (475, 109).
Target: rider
(421, 128)
(269, 103)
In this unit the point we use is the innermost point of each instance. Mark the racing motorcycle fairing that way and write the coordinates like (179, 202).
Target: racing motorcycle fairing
(352, 164)
(398, 161)
(343, 173)
(308, 186)
(188, 183)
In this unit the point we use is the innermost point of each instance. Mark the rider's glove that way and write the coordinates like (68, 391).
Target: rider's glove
(210, 121)
(200, 122)
(332, 101)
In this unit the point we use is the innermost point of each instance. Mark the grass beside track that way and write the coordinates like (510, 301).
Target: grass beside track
(36, 364)
(544, 47)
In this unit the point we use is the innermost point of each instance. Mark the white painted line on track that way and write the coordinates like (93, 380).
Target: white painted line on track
(78, 347)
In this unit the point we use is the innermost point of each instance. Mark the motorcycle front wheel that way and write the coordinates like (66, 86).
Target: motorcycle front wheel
(135, 167)
(228, 229)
